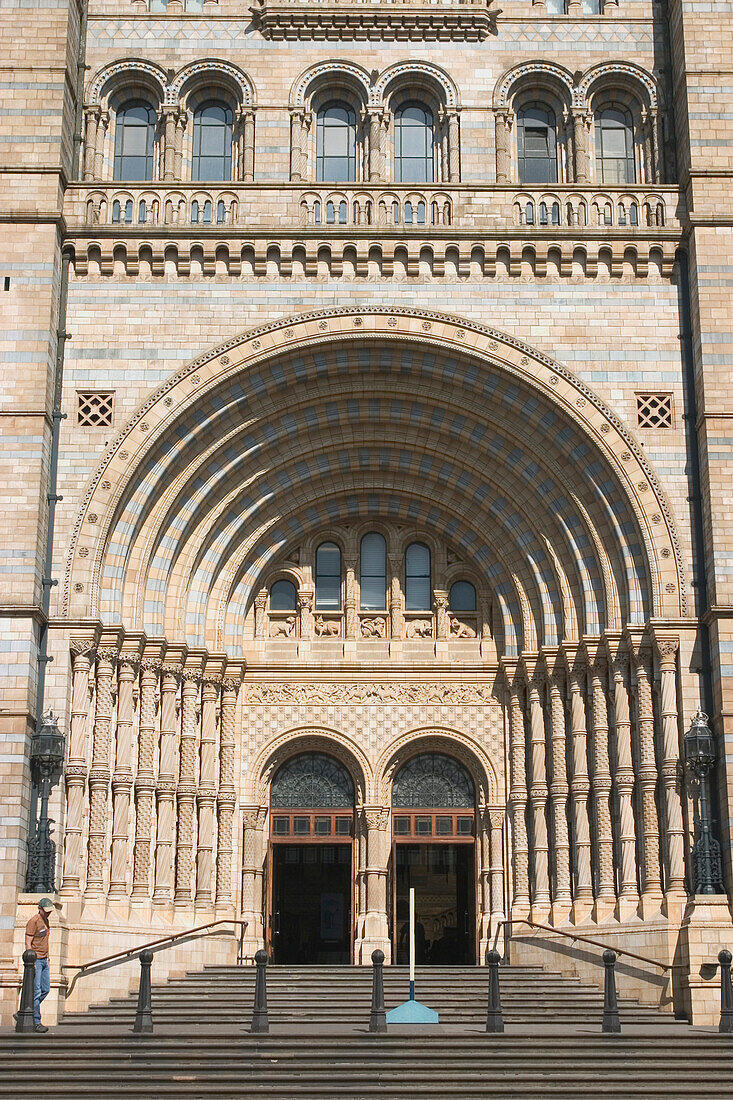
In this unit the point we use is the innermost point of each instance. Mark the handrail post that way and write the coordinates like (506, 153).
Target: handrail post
(378, 1017)
(611, 1021)
(260, 1022)
(25, 1020)
(494, 1018)
(726, 993)
(144, 1017)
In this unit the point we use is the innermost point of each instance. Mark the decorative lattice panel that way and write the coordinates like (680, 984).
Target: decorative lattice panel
(94, 410)
(654, 410)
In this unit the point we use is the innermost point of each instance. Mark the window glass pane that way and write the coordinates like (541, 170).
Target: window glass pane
(537, 147)
(591, 7)
(336, 143)
(282, 596)
(373, 572)
(556, 7)
(413, 144)
(134, 136)
(615, 147)
(212, 142)
(462, 596)
(418, 594)
(328, 577)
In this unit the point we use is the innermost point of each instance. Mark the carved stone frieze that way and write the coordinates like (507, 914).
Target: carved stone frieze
(332, 693)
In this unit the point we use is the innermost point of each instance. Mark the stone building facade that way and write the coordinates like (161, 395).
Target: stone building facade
(370, 365)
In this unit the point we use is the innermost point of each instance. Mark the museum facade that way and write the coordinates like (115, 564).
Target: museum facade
(367, 481)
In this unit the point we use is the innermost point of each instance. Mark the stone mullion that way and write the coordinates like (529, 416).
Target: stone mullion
(518, 799)
(376, 171)
(625, 782)
(226, 799)
(581, 139)
(253, 820)
(206, 796)
(580, 786)
(350, 616)
(247, 159)
(167, 783)
(102, 127)
(145, 778)
(186, 793)
(538, 796)
(91, 128)
(99, 773)
(75, 772)
(651, 880)
(375, 925)
(601, 785)
(454, 148)
(559, 796)
(122, 777)
(483, 819)
(667, 650)
(170, 123)
(496, 868)
(395, 598)
(261, 614)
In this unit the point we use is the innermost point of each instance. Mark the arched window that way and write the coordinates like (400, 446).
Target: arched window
(212, 142)
(537, 145)
(433, 781)
(418, 589)
(134, 141)
(312, 780)
(328, 577)
(462, 596)
(336, 143)
(373, 577)
(615, 147)
(282, 596)
(413, 144)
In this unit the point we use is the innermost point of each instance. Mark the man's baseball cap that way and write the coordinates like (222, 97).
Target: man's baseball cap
(46, 903)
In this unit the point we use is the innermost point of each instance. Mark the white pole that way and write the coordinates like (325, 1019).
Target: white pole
(412, 943)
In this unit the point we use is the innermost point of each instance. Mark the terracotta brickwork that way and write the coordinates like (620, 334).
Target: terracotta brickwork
(498, 368)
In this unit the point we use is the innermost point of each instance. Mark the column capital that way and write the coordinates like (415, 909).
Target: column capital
(667, 647)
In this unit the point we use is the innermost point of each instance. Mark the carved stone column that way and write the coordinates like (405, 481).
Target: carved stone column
(253, 850)
(376, 158)
(166, 785)
(504, 123)
(396, 623)
(122, 779)
(651, 883)
(601, 784)
(261, 614)
(102, 127)
(582, 122)
(145, 778)
(305, 606)
(559, 798)
(169, 119)
(518, 801)
(442, 624)
(629, 891)
(667, 650)
(99, 774)
(454, 148)
(181, 123)
(75, 772)
(247, 159)
(483, 846)
(91, 125)
(350, 615)
(206, 796)
(579, 788)
(496, 869)
(299, 127)
(226, 799)
(186, 794)
(376, 931)
(538, 797)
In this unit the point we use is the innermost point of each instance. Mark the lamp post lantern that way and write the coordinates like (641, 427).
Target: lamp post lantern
(47, 756)
(700, 760)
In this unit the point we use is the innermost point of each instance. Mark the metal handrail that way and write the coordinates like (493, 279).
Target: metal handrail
(596, 943)
(162, 944)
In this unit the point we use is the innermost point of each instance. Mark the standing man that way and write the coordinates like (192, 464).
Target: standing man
(37, 932)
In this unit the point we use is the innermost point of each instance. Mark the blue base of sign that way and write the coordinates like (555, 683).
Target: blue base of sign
(412, 1012)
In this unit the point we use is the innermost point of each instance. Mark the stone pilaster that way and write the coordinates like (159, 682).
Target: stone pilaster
(559, 789)
(504, 121)
(667, 648)
(253, 848)
(75, 772)
(99, 773)
(122, 778)
(538, 799)
(518, 800)
(226, 798)
(376, 930)
(206, 794)
(624, 780)
(601, 787)
(186, 793)
(150, 668)
(579, 789)
(651, 883)
(166, 785)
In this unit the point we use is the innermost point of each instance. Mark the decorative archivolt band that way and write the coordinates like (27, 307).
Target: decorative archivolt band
(576, 400)
(576, 90)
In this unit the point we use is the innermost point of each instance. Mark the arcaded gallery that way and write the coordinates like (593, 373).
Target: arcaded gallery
(367, 491)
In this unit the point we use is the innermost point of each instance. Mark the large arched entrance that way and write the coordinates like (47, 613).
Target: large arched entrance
(311, 861)
(434, 851)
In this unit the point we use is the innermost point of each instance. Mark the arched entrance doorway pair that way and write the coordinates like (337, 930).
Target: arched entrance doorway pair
(313, 854)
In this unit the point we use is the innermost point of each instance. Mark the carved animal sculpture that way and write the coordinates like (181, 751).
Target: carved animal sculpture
(282, 628)
(419, 628)
(324, 629)
(372, 628)
(461, 630)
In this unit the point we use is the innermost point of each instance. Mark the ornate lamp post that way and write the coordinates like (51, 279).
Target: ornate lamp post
(47, 756)
(700, 759)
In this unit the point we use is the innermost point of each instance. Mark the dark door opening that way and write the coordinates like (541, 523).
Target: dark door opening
(443, 876)
(311, 903)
